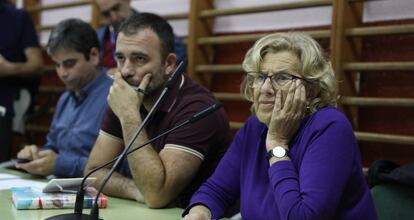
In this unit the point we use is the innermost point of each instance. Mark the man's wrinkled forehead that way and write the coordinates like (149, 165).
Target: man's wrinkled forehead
(144, 39)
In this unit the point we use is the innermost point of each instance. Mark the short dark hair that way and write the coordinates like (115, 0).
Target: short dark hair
(73, 34)
(142, 21)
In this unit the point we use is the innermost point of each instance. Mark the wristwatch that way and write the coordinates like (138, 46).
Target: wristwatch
(277, 152)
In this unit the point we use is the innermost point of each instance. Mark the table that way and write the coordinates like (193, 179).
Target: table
(118, 209)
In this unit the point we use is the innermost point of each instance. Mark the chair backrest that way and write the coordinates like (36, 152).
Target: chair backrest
(394, 201)
(21, 106)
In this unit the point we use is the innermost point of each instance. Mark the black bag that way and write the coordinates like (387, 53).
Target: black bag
(386, 171)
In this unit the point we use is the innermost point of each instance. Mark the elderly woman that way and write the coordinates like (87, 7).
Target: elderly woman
(296, 157)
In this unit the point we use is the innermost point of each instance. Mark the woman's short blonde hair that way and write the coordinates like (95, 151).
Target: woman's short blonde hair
(315, 66)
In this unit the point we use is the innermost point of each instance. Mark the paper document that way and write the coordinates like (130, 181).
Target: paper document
(8, 164)
(6, 176)
(18, 182)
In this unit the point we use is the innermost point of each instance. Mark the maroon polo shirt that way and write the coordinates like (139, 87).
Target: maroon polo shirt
(206, 139)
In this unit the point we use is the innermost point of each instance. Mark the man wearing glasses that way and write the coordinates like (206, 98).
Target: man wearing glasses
(116, 12)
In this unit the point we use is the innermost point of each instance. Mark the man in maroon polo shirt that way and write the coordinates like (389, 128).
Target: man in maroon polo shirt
(168, 171)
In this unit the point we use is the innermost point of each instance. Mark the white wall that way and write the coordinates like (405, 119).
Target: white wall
(298, 18)
(165, 7)
(52, 17)
(308, 17)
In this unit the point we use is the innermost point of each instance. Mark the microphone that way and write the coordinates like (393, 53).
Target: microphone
(77, 215)
(177, 72)
(80, 194)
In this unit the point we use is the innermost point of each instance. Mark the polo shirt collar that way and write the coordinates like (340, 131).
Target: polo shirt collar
(172, 96)
(85, 91)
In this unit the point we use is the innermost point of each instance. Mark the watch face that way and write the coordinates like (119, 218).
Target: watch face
(279, 152)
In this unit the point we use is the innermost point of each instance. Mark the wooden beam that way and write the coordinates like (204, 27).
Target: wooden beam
(199, 27)
(343, 49)
(58, 5)
(230, 39)
(252, 37)
(96, 15)
(384, 138)
(37, 128)
(50, 110)
(375, 102)
(265, 8)
(377, 66)
(49, 68)
(51, 89)
(40, 28)
(380, 30)
(220, 68)
(34, 14)
(176, 16)
(236, 125)
(229, 96)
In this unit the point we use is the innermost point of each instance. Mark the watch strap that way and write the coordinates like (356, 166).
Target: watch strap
(270, 153)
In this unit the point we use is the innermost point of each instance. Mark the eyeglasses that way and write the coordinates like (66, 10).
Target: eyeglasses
(115, 8)
(257, 79)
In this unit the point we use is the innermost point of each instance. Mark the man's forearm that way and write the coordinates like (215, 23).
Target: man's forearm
(146, 166)
(21, 69)
(118, 186)
(32, 65)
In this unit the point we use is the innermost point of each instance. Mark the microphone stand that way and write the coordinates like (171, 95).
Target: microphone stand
(196, 117)
(77, 215)
(80, 195)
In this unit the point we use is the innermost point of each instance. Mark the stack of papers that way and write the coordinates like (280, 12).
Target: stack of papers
(8, 181)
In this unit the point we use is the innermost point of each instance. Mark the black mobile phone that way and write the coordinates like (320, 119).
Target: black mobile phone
(21, 160)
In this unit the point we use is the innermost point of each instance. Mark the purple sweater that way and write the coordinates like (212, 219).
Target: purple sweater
(323, 180)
